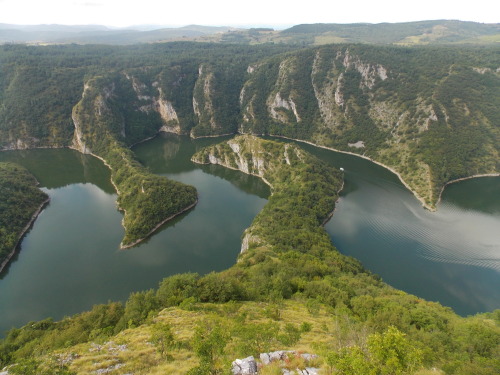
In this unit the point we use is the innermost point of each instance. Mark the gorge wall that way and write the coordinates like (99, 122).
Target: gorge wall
(429, 114)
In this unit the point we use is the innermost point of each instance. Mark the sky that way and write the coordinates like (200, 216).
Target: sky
(121, 13)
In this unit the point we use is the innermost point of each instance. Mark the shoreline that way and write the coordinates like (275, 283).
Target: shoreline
(25, 230)
(127, 246)
(330, 215)
(327, 218)
(415, 194)
(122, 246)
(463, 179)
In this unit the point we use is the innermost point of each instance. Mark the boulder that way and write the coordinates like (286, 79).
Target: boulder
(246, 366)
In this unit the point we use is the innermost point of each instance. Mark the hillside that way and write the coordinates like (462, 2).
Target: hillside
(405, 33)
(20, 203)
(428, 113)
(290, 289)
(95, 34)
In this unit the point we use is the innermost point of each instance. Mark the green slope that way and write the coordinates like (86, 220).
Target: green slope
(20, 203)
(290, 289)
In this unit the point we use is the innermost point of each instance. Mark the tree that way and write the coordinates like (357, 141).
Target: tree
(392, 353)
(163, 338)
(209, 342)
(387, 353)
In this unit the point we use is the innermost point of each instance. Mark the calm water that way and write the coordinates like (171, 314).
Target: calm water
(451, 256)
(71, 260)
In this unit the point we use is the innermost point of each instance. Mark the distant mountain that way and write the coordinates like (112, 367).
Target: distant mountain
(96, 34)
(408, 33)
(422, 32)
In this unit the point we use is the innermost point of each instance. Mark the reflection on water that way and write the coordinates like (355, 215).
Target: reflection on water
(55, 168)
(451, 256)
(70, 259)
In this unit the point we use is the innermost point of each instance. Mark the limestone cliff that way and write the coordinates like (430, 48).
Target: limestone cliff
(346, 96)
(146, 200)
(203, 103)
(429, 114)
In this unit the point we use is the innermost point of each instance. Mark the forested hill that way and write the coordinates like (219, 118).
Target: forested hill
(290, 290)
(20, 203)
(429, 113)
(405, 33)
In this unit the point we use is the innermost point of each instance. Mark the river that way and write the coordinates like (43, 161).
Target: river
(71, 260)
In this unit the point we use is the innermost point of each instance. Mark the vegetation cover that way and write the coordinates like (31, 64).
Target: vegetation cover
(146, 199)
(407, 33)
(428, 113)
(288, 290)
(20, 202)
(101, 100)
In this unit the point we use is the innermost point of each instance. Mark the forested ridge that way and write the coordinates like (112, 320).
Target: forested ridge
(20, 199)
(406, 33)
(429, 113)
(289, 289)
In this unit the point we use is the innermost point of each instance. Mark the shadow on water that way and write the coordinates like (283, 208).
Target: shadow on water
(465, 194)
(70, 260)
(54, 168)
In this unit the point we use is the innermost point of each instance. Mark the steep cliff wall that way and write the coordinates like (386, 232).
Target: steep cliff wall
(431, 115)
(146, 200)
(393, 106)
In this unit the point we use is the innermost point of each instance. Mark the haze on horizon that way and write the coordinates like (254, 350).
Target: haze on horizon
(123, 13)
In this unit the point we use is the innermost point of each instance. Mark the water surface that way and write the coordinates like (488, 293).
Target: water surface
(71, 260)
(451, 256)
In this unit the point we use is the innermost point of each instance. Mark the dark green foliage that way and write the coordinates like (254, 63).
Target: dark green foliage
(177, 288)
(378, 328)
(208, 343)
(218, 287)
(19, 200)
(45, 335)
(148, 200)
(39, 88)
(386, 33)
(139, 307)
(294, 258)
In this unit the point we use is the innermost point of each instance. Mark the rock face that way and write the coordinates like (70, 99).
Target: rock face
(283, 167)
(246, 366)
(203, 106)
(429, 115)
(348, 98)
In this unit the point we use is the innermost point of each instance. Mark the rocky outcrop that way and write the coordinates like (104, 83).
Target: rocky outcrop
(278, 103)
(203, 106)
(249, 366)
(369, 72)
(99, 130)
(326, 88)
(246, 366)
(284, 168)
(169, 116)
(275, 106)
